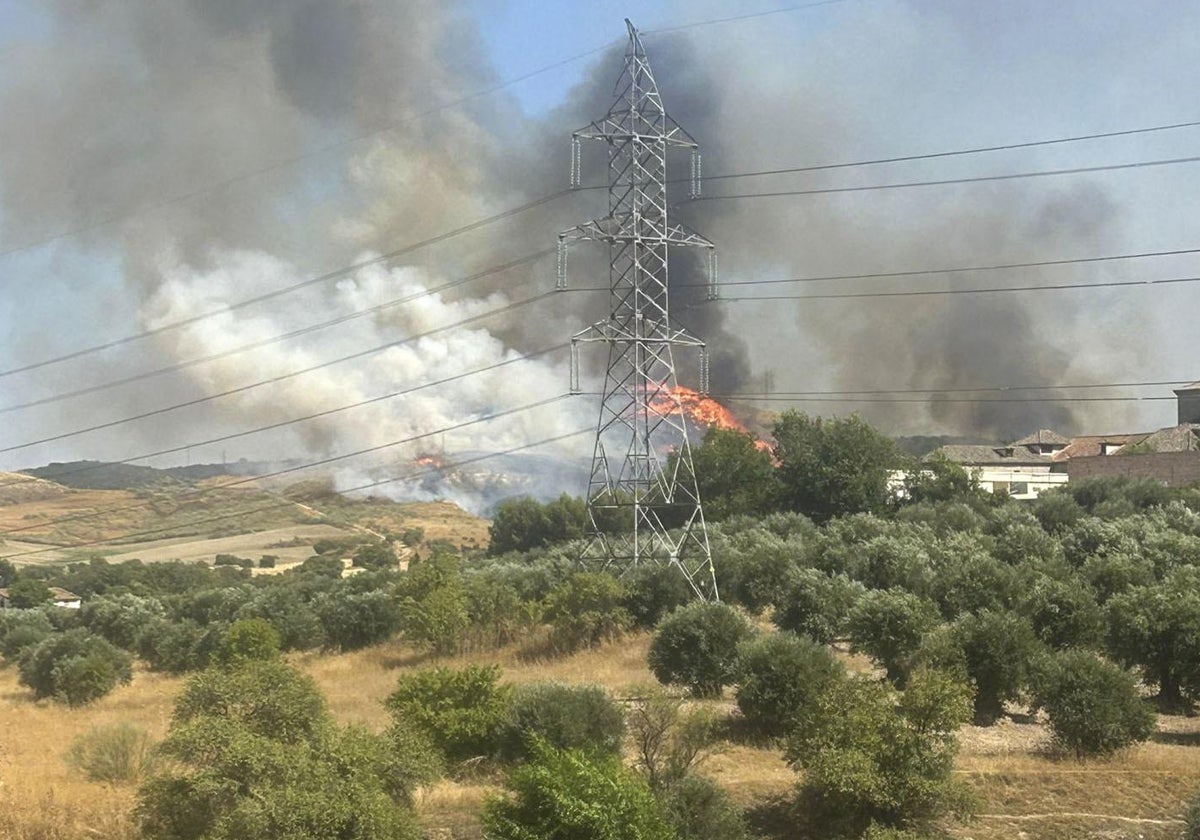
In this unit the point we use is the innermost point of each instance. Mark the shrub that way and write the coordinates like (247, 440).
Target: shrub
(778, 675)
(652, 591)
(568, 794)
(232, 560)
(698, 809)
(353, 620)
(816, 604)
(463, 710)
(1094, 707)
(998, 651)
(115, 754)
(586, 610)
(120, 618)
(670, 740)
(178, 646)
(568, 717)
(888, 626)
(696, 646)
(869, 757)
(21, 629)
(26, 593)
(1157, 629)
(524, 523)
(74, 667)
(375, 556)
(248, 639)
(1064, 613)
(267, 561)
(753, 566)
(255, 754)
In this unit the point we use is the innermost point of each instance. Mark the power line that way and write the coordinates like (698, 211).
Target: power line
(932, 292)
(736, 18)
(999, 388)
(1078, 170)
(1028, 144)
(932, 400)
(275, 506)
(340, 144)
(288, 470)
(282, 423)
(331, 275)
(291, 374)
(955, 270)
(265, 342)
(512, 211)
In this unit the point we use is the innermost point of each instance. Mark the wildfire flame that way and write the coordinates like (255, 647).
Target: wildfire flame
(702, 410)
(433, 461)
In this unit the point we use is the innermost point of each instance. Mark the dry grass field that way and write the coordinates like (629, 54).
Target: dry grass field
(1024, 793)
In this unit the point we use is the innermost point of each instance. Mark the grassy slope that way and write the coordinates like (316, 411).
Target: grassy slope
(1135, 795)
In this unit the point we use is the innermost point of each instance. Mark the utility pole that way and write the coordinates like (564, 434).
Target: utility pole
(641, 510)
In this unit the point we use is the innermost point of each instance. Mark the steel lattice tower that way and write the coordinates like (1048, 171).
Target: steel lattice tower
(643, 502)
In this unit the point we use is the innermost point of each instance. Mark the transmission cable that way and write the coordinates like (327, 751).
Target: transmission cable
(512, 211)
(265, 342)
(204, 491)
(1012, 176)
(277, 505)
(284, 290)
(955, 270)
(57, 475)
(1050, 287)
(934, 400)
(965, 390)
(289, 375)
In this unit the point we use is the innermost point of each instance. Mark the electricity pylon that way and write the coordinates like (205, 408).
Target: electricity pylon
(643, 501)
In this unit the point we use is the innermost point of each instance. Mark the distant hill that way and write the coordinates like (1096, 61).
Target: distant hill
(99, 475)
(18, 489)
(919, 445)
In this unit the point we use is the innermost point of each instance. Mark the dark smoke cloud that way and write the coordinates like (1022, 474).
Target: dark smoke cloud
(133, 102)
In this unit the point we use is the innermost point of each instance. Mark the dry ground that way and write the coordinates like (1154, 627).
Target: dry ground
(1024, 793)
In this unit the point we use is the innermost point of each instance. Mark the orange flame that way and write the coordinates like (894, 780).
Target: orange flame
(702, 410)
(433, 461)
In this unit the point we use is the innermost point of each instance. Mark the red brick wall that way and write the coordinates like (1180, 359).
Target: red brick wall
(1176, 469)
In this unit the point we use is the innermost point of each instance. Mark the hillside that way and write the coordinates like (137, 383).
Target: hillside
(45, 522)
(16, 489)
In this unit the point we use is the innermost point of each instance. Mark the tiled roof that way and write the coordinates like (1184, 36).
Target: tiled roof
(1089, 445)
(1042, 436)
(1195, 386)
(979, 455)
(1183, 438)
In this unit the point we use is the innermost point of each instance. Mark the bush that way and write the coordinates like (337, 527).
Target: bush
(1095, 708)
(434, 607)
(869, 757)
(524, 523)
(670, 740)
(816, 604)
(74, 667)
(248, 639)
(1064, 613)
(696, 646)
(778, 676)
(21, 629)
(463, 710)
(353, 620)
(120, 618)
(586, 610)
(267, 561)
(1157, 629)
(888, 626)
(255, 754)
(652, 591)
(115, 754)
(568, 794)
(566, 717)
(998, 652)
(26, 593)
(375, 556)
(232, 560)
(698, 809)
